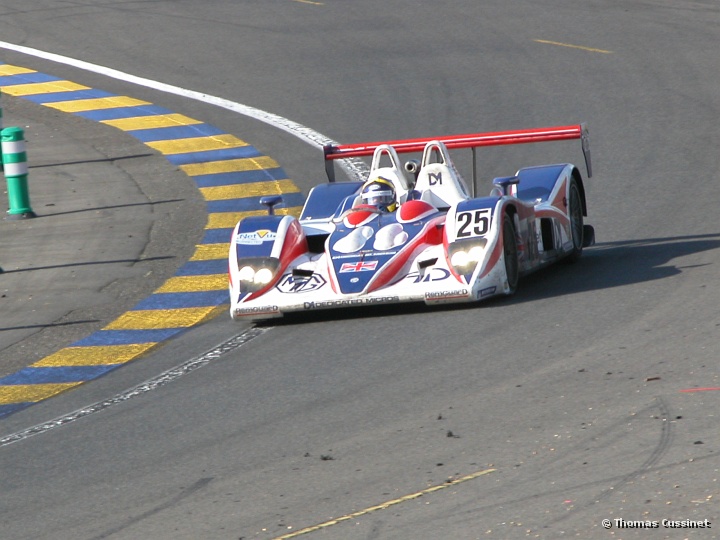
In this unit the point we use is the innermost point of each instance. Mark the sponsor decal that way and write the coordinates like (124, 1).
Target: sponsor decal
(255, 238)
(364, 253)
(360, 266)
(290, 284)
(353, 302)
(434, 274)
(441, 295)
(435, 179)
(487, 292)
(256, 310)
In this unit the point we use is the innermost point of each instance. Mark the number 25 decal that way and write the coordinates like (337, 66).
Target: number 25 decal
(473, 223)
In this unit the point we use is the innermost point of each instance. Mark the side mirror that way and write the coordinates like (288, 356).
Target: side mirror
(504, 183)
(270, 201)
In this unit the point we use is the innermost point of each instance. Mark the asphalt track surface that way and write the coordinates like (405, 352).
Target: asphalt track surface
(590, 395)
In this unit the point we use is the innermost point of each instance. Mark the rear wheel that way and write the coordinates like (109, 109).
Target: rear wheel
(510, 253)
(575, 213)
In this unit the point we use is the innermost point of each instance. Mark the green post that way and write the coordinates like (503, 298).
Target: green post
(14, 157)
(1, 164)
(1, 126)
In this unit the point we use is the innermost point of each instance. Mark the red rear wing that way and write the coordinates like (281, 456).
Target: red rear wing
(498, 138)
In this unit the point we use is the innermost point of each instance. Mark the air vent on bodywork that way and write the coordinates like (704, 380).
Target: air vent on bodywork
(316, 242)
(546, 230)
(427, 262)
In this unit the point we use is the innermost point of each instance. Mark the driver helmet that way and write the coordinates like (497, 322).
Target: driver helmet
(379, 192)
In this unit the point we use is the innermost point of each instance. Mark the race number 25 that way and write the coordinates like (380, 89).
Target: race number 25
(473, 223)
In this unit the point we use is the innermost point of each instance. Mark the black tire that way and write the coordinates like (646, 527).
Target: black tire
(510, 253)
(575, 213)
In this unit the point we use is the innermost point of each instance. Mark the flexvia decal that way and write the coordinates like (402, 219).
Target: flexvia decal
(255, 238)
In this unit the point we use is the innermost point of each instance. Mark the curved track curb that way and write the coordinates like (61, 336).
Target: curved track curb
(230, 174)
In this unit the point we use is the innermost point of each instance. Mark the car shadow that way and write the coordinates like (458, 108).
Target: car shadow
(615, 264)
(603, 266)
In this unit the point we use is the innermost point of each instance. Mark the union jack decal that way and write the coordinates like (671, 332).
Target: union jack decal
(359, 266)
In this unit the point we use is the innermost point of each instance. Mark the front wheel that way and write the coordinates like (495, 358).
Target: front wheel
(510, 254)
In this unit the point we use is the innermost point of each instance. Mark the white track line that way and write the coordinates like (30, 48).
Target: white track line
(151, 384)
(354, 168)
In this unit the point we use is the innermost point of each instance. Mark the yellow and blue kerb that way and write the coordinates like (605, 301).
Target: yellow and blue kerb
(231, 175)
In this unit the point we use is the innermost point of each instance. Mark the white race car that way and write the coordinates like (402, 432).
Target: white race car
(433, 242)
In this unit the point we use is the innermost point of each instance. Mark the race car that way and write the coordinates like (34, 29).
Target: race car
(411, 232)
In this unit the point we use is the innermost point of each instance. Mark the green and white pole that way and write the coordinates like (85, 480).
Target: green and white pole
(14, 157)
(1, 165)
(1, 126)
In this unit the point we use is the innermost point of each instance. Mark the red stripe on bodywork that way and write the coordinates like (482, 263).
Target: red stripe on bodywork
(431, 235)
(294, 245)
(494, 256)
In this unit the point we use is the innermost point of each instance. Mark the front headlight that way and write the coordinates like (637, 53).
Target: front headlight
(247, 273)
(263, 276)
(254, 273)
(459, 258)
(465, 256)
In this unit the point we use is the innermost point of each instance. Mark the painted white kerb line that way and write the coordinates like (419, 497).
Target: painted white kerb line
(151, 384)
(355, 168)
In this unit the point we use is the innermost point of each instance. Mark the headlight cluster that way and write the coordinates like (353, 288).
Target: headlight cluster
(464, 256)
(256, 272)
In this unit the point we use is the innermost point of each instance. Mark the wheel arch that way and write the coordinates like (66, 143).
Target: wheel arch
(581, 186)
(511, 212)
(510, 209)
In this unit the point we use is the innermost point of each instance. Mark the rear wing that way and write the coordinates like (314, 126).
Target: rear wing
(473, 141)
